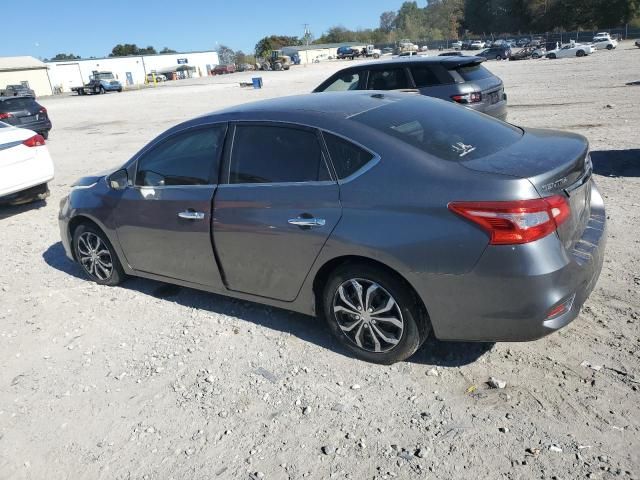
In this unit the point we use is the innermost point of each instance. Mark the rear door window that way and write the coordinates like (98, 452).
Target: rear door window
(346, 81)
(392, 79)
(424, 76)
(346, 157)
(276, 154)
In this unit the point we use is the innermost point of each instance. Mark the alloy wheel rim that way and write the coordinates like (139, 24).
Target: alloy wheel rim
(368, 315)
(95, 256)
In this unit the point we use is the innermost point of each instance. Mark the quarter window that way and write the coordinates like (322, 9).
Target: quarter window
(274, 154)
(424, 77)
(347, 158)
(189, 158)
(388, 79)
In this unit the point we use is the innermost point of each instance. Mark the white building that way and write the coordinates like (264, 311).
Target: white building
(319, 51)
(25, 70)
(132, 70)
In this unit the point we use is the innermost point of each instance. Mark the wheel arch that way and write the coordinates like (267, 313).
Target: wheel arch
(324, 273)
(83, 219)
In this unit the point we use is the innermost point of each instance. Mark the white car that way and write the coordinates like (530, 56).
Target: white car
(457, 45)
(477, 45)
(602, 41)
(25, 165)
(571, 50)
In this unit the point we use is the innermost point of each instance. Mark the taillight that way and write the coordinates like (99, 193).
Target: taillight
(519, 221)
(474, 97)
(42, 110)
(4, 116)
(35, 141)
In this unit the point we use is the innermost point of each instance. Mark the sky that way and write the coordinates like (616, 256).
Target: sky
(93, 28)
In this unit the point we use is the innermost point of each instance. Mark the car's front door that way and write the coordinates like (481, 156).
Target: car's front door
(164, 219)
(278, 206)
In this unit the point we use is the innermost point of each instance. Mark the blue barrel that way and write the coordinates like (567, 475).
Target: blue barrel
(257, 82)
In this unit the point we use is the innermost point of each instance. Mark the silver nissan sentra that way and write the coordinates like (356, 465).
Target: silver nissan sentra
(390, 215)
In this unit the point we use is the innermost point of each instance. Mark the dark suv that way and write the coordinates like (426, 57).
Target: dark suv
(25, 112)
(499, 52)
(458, 79)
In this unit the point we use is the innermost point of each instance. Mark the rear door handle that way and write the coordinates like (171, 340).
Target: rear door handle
(308, 222)
(191, 215)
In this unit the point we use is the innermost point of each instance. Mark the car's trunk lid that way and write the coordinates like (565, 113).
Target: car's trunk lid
(556, 164)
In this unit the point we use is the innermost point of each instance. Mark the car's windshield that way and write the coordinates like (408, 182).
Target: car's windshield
(452, 133)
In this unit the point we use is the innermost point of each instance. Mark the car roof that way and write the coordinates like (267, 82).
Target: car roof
(448, 62)
(340, 104)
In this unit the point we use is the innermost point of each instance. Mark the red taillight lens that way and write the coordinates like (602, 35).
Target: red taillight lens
(474, 97)
(4, 116)
(520, 221)
(42, 110)
(35, 141)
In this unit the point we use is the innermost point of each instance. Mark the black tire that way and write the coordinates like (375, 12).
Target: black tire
(102, 90)
(45, 134)
(119, 90)
(415, 322)
(116, 274)
(580, 53)
(535, 55)
(609, 47)
(551, 56)
(498, 57)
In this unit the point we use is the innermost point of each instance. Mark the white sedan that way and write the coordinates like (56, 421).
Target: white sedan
(600, 42)
(25, 165)
(572, 50)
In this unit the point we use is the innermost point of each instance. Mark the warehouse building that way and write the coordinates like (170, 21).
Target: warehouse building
(27, 71)
(132, 70)
(318, 52)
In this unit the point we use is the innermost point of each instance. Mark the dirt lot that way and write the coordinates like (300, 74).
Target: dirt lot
(152, 381)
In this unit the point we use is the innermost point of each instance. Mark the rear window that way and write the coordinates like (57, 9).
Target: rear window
(470, 73)
(17, 103)
(449, 132)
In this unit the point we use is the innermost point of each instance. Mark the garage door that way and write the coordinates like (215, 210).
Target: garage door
(68, 76)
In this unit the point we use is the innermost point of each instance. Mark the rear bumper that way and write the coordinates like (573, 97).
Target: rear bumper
(497, 110)
(39, 192)
(23, 175)
(510, 292)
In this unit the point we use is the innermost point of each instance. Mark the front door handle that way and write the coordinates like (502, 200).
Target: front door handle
(191, 215)
(308, 222)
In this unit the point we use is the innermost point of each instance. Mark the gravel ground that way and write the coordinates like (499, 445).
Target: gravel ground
(150, 381)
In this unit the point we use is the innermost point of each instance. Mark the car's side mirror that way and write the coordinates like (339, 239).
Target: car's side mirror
(119, 180)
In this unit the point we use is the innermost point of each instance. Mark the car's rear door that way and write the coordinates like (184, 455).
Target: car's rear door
(164, 218)
(276, 209)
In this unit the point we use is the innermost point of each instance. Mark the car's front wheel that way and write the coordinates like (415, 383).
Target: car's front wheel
(535, 55)
(580, 53)
(551, 56)
(498, 57)
(373, 313)
(96, 256)
(609, 47)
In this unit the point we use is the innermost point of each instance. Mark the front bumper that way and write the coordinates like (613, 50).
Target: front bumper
(511, 290)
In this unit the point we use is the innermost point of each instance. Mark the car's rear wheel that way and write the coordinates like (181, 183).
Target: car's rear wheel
(551, 55)
(580, 53)
(535, 55)
(498, 57)
(373, 313)
(96, 256)
(609, 47)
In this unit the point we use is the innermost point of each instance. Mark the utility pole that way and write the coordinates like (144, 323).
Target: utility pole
(306, 37)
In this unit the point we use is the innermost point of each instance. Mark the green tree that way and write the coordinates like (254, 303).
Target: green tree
(274, 42)
(167, 50)
(388, 21)
(126, 49)
(65, 56)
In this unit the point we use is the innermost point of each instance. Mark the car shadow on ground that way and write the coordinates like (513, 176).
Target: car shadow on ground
(616, 163)
(309, 329)
(7, 211)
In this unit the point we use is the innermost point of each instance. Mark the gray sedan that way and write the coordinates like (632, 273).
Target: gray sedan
(390, 215)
